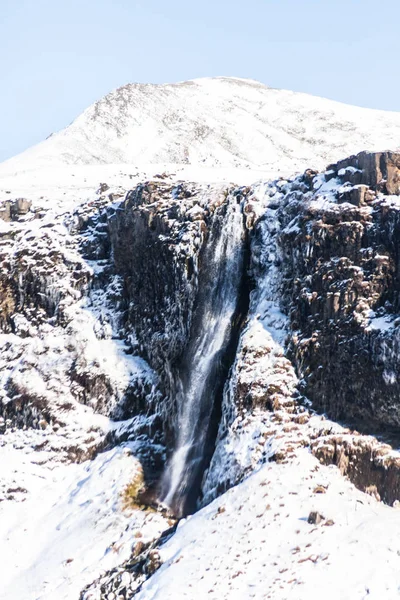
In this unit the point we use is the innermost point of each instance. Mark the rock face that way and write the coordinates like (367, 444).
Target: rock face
(379, 171)
(323, 321)
(370, 465)
(64, 355)
(325, 267)
(158, 237)
(104, 311)
(340, 288)
(156, 243)
(116, 283)
(13, 210)
(181, 253)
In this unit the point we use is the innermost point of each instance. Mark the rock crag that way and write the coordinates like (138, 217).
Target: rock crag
(102, 310)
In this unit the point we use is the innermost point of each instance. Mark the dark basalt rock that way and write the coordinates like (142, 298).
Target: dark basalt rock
(158, 236)
(158, 269)
(377, 170)
(340, 264)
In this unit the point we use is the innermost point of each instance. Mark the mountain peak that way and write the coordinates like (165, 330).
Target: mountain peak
(215, 122)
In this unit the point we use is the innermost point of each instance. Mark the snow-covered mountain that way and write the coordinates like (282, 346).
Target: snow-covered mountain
(169, 340)
(215, 122)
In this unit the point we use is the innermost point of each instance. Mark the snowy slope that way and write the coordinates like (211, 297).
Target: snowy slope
(69, 525)
(255, 542)
(62, 522)
(218, 121)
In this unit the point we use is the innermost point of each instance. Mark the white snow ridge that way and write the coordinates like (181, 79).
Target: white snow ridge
(214, 122)
(85, 408)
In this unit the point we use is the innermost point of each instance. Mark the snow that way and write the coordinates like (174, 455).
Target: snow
(348, 169)
(380, 323)
(61, 189)
(70, 525)
(255, 542)
(213, 122)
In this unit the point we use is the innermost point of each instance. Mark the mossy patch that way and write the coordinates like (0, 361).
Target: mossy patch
(131, 494)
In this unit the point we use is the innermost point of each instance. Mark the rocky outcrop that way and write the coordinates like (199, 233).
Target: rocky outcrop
(127, 579)
(322, 326)
(337, 252)
(379, 171)
(63, 351)
(156, 243)
(261, 388)
(116, 283)
(325, 269)
(13, 210)
(371, 465)
(158, 236)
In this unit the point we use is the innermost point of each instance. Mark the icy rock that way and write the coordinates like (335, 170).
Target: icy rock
(153, 562)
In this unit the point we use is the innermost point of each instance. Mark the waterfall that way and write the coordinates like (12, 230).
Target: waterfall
(197, 382)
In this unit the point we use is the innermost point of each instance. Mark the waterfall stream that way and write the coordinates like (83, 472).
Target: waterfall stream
(198, 380)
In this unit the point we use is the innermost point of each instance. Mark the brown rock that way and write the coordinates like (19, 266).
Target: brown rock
(315, 518)
(153, 562)
(5, 211)
(377, 170)
(21, 207)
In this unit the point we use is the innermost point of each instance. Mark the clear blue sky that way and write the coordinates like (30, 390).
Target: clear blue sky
(59, 56)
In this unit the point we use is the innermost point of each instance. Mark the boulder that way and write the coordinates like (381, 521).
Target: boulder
(21, 207)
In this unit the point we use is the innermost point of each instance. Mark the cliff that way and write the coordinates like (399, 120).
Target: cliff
(198, 333)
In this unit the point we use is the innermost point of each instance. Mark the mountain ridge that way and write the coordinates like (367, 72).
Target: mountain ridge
(213, 122)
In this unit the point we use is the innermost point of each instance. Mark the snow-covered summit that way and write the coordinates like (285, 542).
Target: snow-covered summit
(213, 122)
